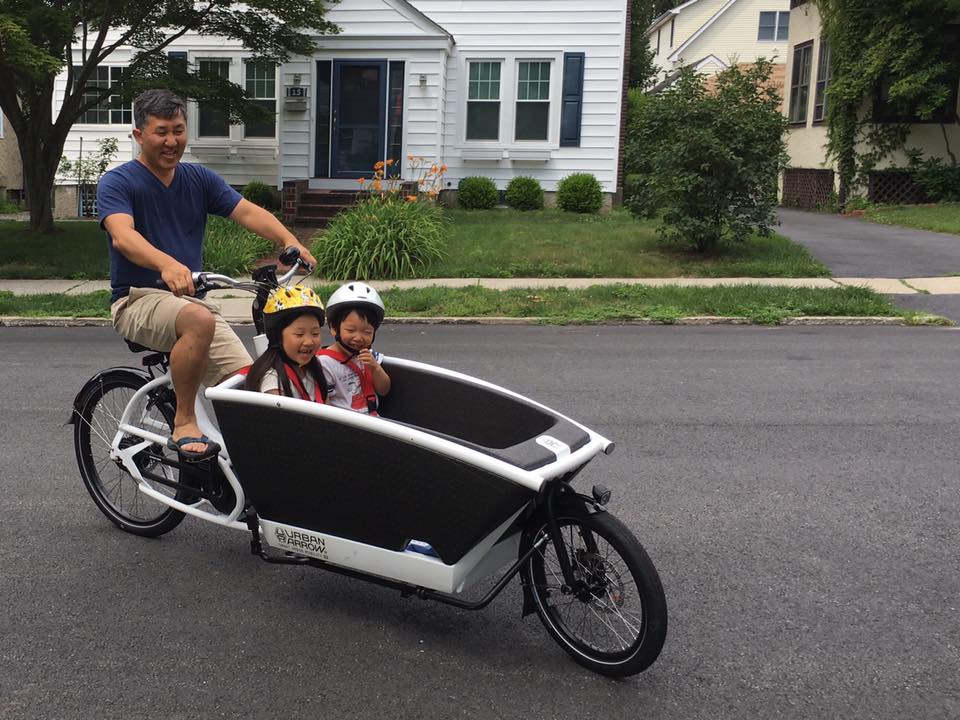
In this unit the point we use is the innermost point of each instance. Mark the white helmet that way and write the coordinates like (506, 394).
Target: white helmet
(354, 295)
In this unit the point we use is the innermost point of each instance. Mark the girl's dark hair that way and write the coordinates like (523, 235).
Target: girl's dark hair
(274, 359)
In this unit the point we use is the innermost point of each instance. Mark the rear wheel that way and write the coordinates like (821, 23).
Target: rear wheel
(613, 619)
(112, 488)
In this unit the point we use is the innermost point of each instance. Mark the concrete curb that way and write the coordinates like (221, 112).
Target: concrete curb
(692, 320)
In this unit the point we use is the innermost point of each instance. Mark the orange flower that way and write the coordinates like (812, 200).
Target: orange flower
(377, 165)
(434, 168)
(390, 161)
(409, 157)
(376, 185)
(443, 168)
(411, 198)
(361, 180)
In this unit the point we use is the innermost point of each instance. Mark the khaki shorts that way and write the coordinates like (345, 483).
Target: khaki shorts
(148, 316)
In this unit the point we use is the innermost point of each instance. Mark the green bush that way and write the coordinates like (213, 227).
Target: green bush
(940, 182)
(230, 249)
(261, 194)
(7, 207)
(381, 238)
(477, 193)
(525, 193)
(580, 193)
(708, 161)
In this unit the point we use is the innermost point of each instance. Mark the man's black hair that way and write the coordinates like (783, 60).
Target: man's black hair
(159, 103)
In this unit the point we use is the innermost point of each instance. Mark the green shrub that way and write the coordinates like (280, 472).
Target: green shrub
(477, 193)
(708, 161)
(261, 194)
(525, 193)
(381, 238)
(940, 182)
(580, 193)
(230, 249)
(7, 207)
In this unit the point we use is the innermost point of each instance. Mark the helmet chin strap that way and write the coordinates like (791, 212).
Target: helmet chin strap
(351, 353)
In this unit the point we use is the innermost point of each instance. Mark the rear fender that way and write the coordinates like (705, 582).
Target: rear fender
(96, 380)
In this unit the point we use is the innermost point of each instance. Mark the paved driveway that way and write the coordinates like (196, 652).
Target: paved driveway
(857, 248)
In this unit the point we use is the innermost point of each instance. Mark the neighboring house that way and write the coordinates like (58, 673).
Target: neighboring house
(11, 169)
(810, 181)
(498, 88)
(710, 35)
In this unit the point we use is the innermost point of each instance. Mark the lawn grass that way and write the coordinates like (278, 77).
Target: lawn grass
(600, 303)
(553, 243)
(88, 305)
(77, 251)
(944, 217)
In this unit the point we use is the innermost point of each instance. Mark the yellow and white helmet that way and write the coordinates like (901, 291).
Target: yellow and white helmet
(291, 302)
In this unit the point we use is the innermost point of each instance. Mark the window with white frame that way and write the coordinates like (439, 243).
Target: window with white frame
(108, 111)
(483, 100)
(774, 25)
(212, 119)
(261, 85)
(532, 121)
(823, 80)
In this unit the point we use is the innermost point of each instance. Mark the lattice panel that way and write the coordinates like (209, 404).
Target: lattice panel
(807, 187)
(894, 187)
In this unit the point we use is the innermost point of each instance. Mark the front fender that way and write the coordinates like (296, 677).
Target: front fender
(96, 380)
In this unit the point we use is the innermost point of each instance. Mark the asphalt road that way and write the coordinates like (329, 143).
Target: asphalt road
(796, 487)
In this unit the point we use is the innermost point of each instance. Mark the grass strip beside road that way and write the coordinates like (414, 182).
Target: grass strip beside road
(600, 303)
(944, 217)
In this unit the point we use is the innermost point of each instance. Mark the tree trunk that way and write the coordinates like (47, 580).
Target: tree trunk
(38, 182)
(41, 145)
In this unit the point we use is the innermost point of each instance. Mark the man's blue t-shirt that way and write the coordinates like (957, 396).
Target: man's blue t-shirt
(173, 219)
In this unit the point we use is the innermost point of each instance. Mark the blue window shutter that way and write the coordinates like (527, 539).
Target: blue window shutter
(571, 104)
(177, 62)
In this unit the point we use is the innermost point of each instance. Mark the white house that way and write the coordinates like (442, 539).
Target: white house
(710, 35)
(498, 88)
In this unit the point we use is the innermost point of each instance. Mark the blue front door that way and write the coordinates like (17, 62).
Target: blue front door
(358, 122)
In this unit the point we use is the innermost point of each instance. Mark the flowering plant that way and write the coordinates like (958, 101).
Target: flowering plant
(425, 182)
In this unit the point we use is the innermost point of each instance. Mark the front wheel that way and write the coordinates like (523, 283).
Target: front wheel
(113, 489)
(613, 619)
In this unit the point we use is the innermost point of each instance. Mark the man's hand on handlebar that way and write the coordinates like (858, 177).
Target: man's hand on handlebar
(305, 254)
(178, 279)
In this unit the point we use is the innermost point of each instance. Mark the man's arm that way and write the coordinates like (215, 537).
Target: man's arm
(257, 220)
(135, 248)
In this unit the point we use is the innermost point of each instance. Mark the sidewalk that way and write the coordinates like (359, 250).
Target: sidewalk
(235, 304)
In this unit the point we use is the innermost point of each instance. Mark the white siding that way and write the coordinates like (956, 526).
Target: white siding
(535, 29)
(239, 160)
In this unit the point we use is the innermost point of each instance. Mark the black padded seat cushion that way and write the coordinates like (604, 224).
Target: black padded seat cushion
(481, 418)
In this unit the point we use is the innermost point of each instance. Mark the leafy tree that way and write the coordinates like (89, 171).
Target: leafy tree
(39, 38)
(708, 160)
(905, 45)
(642, 14)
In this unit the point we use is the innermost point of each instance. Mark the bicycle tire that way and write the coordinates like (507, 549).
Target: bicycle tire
(592, 623)
(112, 488)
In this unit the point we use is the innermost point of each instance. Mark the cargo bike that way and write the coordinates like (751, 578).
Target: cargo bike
(479, 475)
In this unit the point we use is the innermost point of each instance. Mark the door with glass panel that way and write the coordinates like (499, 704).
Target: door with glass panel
(358, 117)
